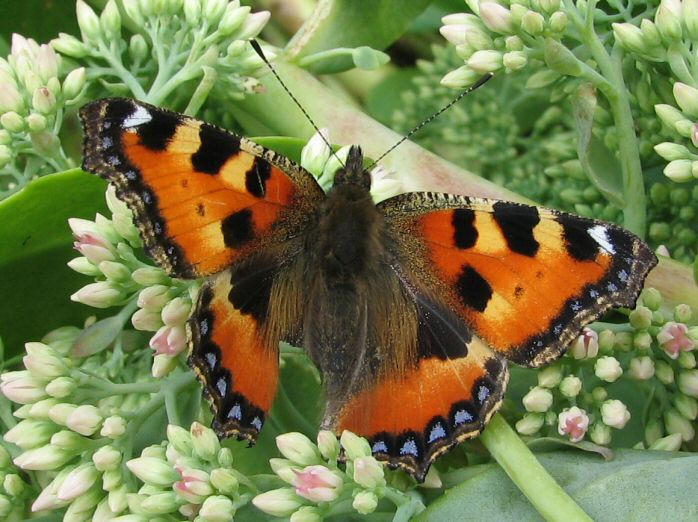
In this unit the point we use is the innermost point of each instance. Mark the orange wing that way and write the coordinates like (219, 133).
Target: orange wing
(523, 278)
(233, 358)
(202, 197)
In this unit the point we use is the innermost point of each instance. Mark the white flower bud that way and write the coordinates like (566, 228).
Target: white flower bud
(530, 424)
(672, 151)
(460, 78)
(688, 383)
(533, 23)
(368, 472)
(686, 406)
(102, 294)
(10, 99)
(233, 18)
(496, 17)
(253, 25)
(88, 21)
(110, 20)
(213, 10)
(365, 502)
(12, 121)
(669, 443)
(204, 441)
(687, 98)
(629, 36)
(61, 387)
(278, 502)
(78, 482)
(22, 387)
(107, 458)
(615, 414)
(68, 45)
(677, 423)
(641, 368)
(600, 434)
(485, 61)
(550, 376)
(43, 458)
(315, 154)
(608, 369)
(73, 83)
(298, 448)
(36, 122)
(538, 400)
(514, 60)
(43, 100)
(571, 386)
(328, 444)
(42, 361)
(114, 427)
(668, 19)
(153, 471)
(84, 420)
(354, 446)
(217, 508)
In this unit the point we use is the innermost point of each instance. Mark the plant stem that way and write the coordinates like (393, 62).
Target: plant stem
(615, 91)
(546, 495)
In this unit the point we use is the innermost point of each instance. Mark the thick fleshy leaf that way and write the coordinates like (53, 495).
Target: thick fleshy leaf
(35, 245)
(636, 485)
(351, 23)
(599, 163)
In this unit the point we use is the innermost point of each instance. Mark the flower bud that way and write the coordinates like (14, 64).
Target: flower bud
(668, 114)
(485, 61)
(154, 297)
(153, 471)
(514, 60)
(12, 121)
(533, 23)
(306, 514)
(368, 472)
(69, 441)
(315, 154)
(672, 151)
(150, 276)
(669, 443)
(146, 320)
(608, 369)
(686, 406)
(571, 386)
(641, 368)
(615, 414)
(354, 446)
(652, 298)
(110, 20)
(318, 484)
(163, 365)
(530, 424)
(84, 420)
(253, 25)
(630, 37)
(68, 45)
(22, 387)
(673, 339)
(328, 444)
(225, 481)
(31, 433)
(232, 19)
(78, 482)
(558, 22)
(43, 458)
(278, 502)
(88, 21)
(10, 99)
(687, 360)
(496, 17)
(586, 345)
(36, 122)
(461, 77)
(114, 427)
(600, 434)
(61, 387)
(13, 484)
(217, 508)
(560, 59)
(641, 318)
(285, 469)
(676, 423)
(298, 448)
(176, 312)
(74, 83)
(213, 10)
(102, 294)
(687, 98)
(42, 361)
(668, 19)
(180, 439)
(538, 400)
(688, 382)
(192, 12)
(106, 458)
(205, 442)
(365, 502)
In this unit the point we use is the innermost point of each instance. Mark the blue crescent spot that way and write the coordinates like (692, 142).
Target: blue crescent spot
(379, 447)
(221, 386)
(437, 432)
(462, 416)
(409, 448)
(235, 412)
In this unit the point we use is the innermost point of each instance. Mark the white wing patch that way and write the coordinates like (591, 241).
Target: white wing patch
(600, 235)
(137, 117)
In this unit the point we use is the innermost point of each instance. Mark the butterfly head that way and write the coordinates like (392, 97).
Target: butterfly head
(353, 172)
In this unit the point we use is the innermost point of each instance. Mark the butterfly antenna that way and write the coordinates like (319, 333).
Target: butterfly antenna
(258, 49)
(482, 81)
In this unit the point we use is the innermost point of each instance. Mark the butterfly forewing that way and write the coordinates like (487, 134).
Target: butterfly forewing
(202, 197)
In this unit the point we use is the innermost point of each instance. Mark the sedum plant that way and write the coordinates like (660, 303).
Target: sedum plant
(591, 110)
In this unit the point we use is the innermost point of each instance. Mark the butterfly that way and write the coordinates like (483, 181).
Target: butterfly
(410, 308)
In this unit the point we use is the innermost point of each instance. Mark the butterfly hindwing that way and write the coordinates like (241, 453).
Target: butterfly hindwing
(202, 197)
(524, 279)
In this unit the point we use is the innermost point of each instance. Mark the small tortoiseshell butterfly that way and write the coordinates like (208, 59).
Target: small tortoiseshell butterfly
(409, 307)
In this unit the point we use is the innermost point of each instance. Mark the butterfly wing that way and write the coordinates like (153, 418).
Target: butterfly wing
(209, 202)
(523, 278)
(202, 197)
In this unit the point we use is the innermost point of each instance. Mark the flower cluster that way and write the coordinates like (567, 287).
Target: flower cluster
(158, 303)
(181, 49)
(79, 417)
(33, 97)
(319, 486)
(653, 354)
(190, 474)
(15, 492)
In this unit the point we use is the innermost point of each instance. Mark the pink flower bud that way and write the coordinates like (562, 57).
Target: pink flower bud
(22, 387)
(84, 420)
(78, 482)
(318, 484)
(496, 17)
(586, 345)
(673, 338)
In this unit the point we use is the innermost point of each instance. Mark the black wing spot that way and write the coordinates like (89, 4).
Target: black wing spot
(238, 228)
(464, 232)
(575, 231)
(474, 290)
(159, 130)
(517, 223)
(215, 149)
(256, 178)
(251, 287)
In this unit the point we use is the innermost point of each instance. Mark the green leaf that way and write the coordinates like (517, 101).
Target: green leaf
(366, 58)
(599, 164)
(560, 59)
(38, 19)
(35, 245)
(636, 485)
(351, 23)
